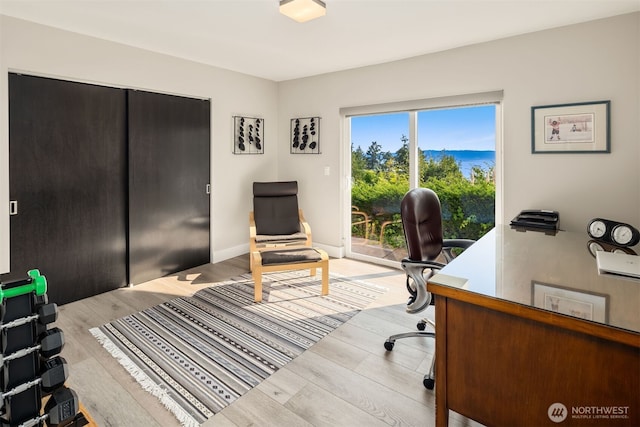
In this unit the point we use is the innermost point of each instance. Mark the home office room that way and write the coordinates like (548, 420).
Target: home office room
(203, 228)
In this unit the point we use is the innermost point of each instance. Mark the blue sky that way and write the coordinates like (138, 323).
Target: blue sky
(468, 128)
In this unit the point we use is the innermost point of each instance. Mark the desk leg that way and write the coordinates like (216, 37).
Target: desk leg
(442, 405)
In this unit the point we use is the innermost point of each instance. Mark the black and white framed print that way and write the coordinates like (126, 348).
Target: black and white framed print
(248, 134)
(305, 135)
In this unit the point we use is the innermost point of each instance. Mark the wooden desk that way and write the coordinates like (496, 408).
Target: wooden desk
(503, 359)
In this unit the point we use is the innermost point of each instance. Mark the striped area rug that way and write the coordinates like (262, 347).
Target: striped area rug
(198, 354)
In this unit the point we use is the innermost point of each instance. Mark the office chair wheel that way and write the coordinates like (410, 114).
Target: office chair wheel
(421, 325)
(429, 383)
(389, 345)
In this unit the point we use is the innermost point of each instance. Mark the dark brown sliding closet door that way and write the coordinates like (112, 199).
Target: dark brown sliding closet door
(168, 177)
(67, 168)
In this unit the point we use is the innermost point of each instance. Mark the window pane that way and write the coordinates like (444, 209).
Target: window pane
(380, 178)
(457, 161)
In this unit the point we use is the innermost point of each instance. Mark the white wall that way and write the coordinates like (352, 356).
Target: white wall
(595, 61)
(599, 60)
(40, 50)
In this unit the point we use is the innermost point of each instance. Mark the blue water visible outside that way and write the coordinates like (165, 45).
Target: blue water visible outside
(466, 133)
(467, 159)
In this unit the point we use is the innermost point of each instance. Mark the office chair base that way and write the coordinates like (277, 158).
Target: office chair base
(428, 383)
(429, 380)
(423, 324)
(390, 342)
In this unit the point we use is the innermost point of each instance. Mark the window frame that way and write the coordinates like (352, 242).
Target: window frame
(413, 107)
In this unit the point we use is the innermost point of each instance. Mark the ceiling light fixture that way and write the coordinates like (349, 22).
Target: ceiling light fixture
(303, 10)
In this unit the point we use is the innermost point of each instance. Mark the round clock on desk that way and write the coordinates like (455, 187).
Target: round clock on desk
(624, 235)
(613, 232)
(597, 228)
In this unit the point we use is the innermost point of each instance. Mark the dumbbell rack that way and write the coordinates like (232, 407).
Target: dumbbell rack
(26, 353)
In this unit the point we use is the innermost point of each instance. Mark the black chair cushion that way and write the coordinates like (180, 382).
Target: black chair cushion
(275, 208)
(291, 256)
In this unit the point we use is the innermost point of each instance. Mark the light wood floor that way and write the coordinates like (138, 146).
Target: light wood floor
(346, 379)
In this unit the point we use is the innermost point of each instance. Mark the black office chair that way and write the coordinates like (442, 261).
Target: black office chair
(427, 250)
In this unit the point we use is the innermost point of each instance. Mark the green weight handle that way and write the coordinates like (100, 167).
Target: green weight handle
(38, 285)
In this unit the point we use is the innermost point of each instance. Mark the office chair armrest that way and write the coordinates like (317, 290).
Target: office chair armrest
(457, 243)
(449, 244)
(423, 264)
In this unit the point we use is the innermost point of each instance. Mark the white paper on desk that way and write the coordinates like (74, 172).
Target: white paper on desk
(618, 264)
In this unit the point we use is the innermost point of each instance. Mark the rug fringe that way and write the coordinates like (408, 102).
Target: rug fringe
(143, 379)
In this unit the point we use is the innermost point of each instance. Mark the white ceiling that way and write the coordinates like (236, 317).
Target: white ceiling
(250, 36)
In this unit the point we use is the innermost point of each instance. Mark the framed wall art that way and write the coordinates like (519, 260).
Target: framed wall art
(305, 135)
(572, 302)
(571, 128)
(248, 133)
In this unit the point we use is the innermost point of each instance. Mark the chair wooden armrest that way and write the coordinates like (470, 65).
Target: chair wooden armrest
(355, 211)
(305, 227)
(384, 225)
(252, 233)
(278, 242)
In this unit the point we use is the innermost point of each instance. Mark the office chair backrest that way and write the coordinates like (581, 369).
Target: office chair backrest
(422, 224)
(275, 207)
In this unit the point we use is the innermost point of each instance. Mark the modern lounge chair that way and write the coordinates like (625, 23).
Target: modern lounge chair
(276, 222)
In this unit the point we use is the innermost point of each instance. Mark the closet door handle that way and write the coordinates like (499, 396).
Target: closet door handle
(13, 207)
(208, 189)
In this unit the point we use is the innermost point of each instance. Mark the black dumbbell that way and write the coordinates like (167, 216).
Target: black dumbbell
(61, 408)
(54, 375)
(45, 314)
(49, 344)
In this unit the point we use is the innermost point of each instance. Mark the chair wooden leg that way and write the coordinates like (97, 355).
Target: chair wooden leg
(325, 278)
(257, 286)
(256, 272)
(257, 269)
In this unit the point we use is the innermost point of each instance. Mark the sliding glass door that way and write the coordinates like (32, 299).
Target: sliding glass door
(450, 150)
